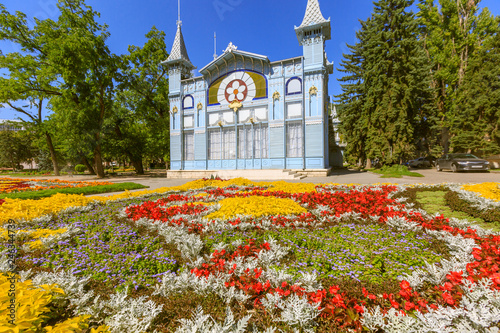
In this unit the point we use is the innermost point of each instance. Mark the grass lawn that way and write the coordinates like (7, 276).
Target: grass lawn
(433, 202)
(74, 190)
(259, 256)
(395, 171)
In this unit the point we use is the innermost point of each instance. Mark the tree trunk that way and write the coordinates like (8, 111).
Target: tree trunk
(98, 161)
(137, 163)
(445, 139)
(52, 153)
(368, 163)
(87, 163)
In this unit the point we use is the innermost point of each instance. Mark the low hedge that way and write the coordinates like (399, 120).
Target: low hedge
(74, 190)
(454, 201)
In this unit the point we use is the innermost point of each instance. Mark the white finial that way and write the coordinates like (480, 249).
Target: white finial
(179, 22)
(215, 45)
(231, 47)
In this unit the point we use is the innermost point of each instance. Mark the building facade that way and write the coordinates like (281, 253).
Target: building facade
(247, 112)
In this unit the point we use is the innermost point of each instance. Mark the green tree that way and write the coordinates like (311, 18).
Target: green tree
(76, 45)
(27, 79)
(74, 68)
(389, 98)
(353, 120)
(452, 32)
(141, 125)
(398, 82)
(476, 123)
(16, 148)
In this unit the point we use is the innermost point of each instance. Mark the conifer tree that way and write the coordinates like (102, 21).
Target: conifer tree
(353, 124)
(390, 95)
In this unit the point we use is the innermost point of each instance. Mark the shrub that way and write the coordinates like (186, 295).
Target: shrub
(80, 168)
(454, 201)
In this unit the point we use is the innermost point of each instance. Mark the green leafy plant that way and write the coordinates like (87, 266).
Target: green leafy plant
(80, 168)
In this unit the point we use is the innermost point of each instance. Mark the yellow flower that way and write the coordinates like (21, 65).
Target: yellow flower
(18, 209)
(486, 190)
(36, 234)
(256, 206)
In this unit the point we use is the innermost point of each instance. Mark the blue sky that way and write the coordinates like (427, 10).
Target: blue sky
(258, 26)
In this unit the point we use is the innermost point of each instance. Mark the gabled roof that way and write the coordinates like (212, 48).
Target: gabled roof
(230, 53)
(179, 52)
(314, 19)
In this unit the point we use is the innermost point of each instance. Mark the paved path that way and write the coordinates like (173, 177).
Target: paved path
(431, 176)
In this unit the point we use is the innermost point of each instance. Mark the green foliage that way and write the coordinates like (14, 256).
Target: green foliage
(139, 127)
(453, 31)
(74, 190)
(476, 125)
(371, 253)
(120, 255)
(16, 148)
(80, 168)
(396, 171)
(386, 95)
(490, 216)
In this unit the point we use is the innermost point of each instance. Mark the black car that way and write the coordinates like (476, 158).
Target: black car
(422, 162)
(461, 162)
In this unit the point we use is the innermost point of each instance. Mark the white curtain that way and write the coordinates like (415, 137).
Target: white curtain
(189, 146)
(294, 139)
(261, 141)
(214, 142)
(229, 143)
(244, 142)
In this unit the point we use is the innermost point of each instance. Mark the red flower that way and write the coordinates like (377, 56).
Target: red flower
(455, 277)
(405, 285)
(409, 306)
(448, 299)
(334, 289)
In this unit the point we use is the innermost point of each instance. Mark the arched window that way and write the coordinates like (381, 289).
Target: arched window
(188, 102)
(294, 86)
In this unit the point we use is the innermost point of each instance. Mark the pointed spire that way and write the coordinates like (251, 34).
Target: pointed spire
(179, 52)
(313, 14)
(314, 20)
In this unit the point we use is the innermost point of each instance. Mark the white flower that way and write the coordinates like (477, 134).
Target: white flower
(236, 90)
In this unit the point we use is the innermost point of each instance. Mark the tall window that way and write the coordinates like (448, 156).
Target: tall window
(294, 139)
(214, 145)
(245, 142)
(260, 141)
(188, 146)
(229, 143)
(253, 141)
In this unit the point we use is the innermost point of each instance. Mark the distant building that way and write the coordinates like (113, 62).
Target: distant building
(11, 125)
(247, 112)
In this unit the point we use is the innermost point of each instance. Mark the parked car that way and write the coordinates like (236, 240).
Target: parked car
(422, 162)
(494, 161)
(461, 162)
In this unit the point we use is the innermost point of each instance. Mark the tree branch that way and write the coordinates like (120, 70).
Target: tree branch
(18, 109)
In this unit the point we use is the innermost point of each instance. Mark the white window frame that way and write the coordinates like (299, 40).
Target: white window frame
(294, 134)
(188, 138)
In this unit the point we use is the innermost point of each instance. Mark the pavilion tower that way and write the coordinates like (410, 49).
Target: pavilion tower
(312, 34)
(178, 63)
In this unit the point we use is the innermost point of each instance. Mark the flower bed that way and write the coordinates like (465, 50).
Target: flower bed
(341, 258)
(14, 185)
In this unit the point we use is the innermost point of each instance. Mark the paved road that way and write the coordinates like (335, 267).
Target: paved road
(431, 176)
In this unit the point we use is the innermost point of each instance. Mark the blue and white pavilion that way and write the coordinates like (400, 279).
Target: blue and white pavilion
(247, 112)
